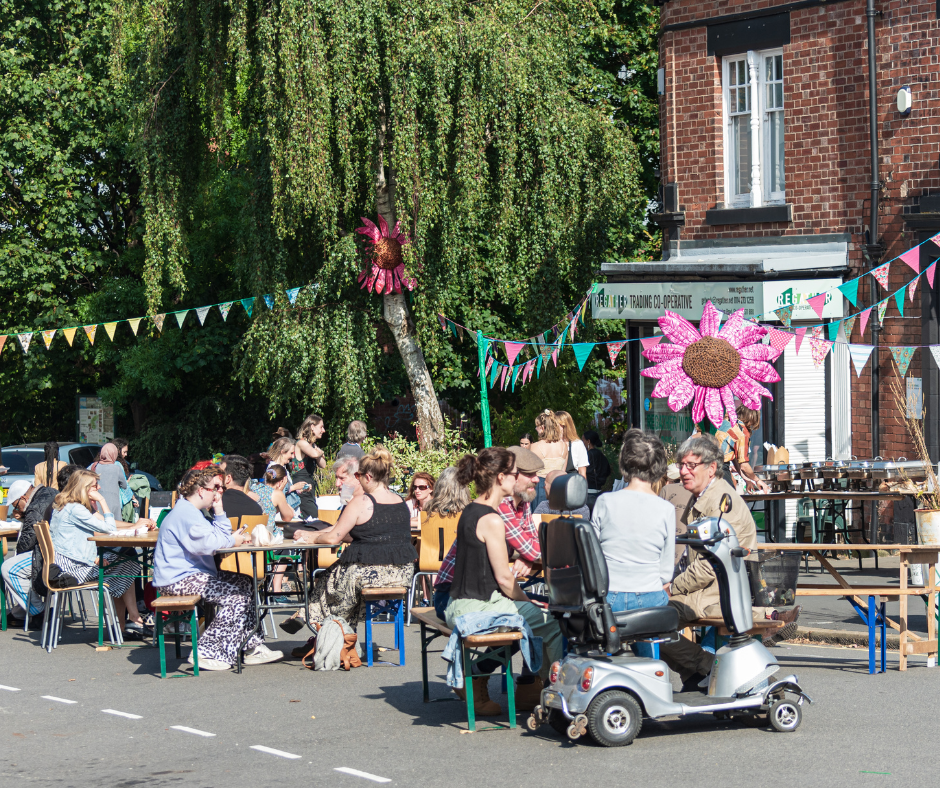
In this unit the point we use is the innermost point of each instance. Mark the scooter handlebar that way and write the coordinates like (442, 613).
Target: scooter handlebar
(701, 542)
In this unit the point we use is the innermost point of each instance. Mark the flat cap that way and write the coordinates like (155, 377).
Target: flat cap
(527, 460)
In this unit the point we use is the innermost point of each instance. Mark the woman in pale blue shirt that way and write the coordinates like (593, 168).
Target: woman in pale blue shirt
(74, 519)
(637, 531)
(184, 563)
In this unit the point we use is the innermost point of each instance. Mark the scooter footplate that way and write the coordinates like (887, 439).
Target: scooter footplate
(700, 699)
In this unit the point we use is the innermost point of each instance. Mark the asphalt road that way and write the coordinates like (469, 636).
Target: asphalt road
(58, 727)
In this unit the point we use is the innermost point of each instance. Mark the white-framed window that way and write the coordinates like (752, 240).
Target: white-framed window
(752, 94)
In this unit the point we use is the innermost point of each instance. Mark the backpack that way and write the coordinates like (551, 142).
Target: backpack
(335, 646)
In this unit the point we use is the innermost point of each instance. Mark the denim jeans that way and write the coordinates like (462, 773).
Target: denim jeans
(620, 601)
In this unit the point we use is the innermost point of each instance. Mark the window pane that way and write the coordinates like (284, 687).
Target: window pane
(778, 90)
(774, 175)
(741, 154)
(778, 73)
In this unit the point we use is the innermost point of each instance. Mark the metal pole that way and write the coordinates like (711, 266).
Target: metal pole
(484, 400)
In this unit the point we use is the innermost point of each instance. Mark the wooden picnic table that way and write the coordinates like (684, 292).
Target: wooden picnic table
(910, 554)
(4, 534)
(823, 495)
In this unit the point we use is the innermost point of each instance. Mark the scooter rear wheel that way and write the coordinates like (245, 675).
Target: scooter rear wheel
(614, 718)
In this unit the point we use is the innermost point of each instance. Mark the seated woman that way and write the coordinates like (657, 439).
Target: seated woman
(183, 563)
(419, 497)
(450, 496)
(637, 531)
(74, 519)
(483, 578)
(377, 526)
(273, 502)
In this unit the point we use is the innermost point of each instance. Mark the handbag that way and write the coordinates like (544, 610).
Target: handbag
(338, 647)
(569, 466)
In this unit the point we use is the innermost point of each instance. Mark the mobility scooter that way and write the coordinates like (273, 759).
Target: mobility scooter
(600, 687)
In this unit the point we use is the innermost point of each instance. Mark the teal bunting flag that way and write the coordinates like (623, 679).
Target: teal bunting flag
(899, 299)
(269, 300)
(249, 304)
(494, 373)
(902, 357)
(834, 329)
(850, 291)
(538, 368)
(292, 294)
(453, 328)
(581, 352)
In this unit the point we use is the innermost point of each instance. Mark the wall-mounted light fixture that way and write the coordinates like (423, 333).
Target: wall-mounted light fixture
(905, 100)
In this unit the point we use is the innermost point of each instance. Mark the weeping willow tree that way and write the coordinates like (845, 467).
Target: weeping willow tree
(457, 120)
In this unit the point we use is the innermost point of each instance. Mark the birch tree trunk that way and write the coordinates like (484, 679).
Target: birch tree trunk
(396, 314)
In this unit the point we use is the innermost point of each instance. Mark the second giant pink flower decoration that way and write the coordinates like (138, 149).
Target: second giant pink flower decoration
(387, 273)
(711, 367)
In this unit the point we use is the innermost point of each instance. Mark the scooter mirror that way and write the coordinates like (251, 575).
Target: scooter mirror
(725, 504)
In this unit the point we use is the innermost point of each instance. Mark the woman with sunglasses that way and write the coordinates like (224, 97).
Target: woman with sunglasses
(419, 497)
(184, 563)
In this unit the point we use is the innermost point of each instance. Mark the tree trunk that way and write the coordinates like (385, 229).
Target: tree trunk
(396, 314)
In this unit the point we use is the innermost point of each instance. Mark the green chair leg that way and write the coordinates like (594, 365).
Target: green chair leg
(158, 621)
(468, 687)
(510, 686)
(194, 635)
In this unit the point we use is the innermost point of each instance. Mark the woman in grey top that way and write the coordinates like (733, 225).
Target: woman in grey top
(637, 531)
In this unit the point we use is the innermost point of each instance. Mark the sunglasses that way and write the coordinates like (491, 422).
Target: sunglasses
(214, 488)
(422, 487)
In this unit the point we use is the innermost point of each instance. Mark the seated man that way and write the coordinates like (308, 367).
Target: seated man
(27, 504)
(237, 475)
(694, 592)
(544, 508)
(347, 483)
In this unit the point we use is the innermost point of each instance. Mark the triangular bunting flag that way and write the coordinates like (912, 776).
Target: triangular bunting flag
(269, 300)
(158, 321)
(69, 334)
(902, 357)
(493, 374)
(649, 342)
(850, 291)
(779, 339)
(555, 356)
(785, 314)
(934, 351)
(515, 374)
(512, 350)
(819, 347)
(181, 316)
(818, 303)
(935, 239)
(614, 348)
(453, 328)
(538, 367)
(911, 288)
(224, 308)
(864, 317)
(931, 270)
(881, 275)
(292, 294)
(460, 332)
(489, 363)
(833, 327)
(581, 352)
(860, 354)
(574, 327)
(848, 324)
(47, 336)
(134, 323)
(800, 332)
(899, 300)
(3, 341)
(25, 339)
(110, 327)
(201, 314)
(90, 333)
(912, 258)
(882, 308)
(502, 377)
(249, 304)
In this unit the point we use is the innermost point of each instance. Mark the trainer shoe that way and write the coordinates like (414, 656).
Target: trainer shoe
(789, 617)
(262, 655)
(207, 663)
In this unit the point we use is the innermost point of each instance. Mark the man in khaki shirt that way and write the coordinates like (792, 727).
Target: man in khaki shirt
(694, 592)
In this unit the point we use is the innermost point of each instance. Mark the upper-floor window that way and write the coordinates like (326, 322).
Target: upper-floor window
(752, 89)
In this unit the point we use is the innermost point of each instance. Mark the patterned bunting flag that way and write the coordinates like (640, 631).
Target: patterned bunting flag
(864, 316)
(292, 294)
(502, 377)
(614, 348)
(134, 323)
(800, 332)
(459, 332)
(515, 374)
(902, 357)
(912, 258)
(819, 347)
(224, 309)
(934, 351)
(848, 324)
(818, 303)
(493, 374)
(850, 291)
(47, 336)
(90, 333)
(935, 239)
(581, 352)
(911, 288)
(860, 355)
(881, 275)
(489, 363)
(269, 300)
(3, 341)
(110, 327)
(785, 314)
(181, 316)
(899, 300)
(882, 308)
(249, 304)
(779, 339)
(573, 325)
(69, 334)
(158, 321)
(443, 323)
(25, 339)
(201, 313)
(649, 342)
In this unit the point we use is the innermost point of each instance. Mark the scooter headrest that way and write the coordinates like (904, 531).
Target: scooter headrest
(568, 492)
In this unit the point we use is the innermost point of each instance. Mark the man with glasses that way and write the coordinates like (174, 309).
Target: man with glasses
(694, 592)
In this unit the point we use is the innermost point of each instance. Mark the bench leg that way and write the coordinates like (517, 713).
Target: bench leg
(158, 622)
(194, 636)
(468, 686)
(510, 686)
(369, 634)
(884, 637)
(400, 632)
(424, 663)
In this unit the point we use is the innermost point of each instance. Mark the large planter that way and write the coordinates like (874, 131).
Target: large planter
(928, 533)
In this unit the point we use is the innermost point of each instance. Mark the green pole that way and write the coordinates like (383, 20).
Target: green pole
(484, 401)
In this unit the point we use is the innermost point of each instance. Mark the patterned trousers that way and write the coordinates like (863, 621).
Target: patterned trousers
(338, 591)
(233, 597)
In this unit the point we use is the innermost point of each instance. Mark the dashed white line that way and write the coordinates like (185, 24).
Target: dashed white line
(269, 751)
(356, 773)
(191, 730)
(9, 689)
(122, 714)
(58, 700)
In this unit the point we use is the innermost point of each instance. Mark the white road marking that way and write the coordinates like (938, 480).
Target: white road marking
(58, 700)
(190, 730)
(356, 773)
(122, 714)
(269, 751)
(9, 689)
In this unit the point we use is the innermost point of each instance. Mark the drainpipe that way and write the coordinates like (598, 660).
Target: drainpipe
(874, 247)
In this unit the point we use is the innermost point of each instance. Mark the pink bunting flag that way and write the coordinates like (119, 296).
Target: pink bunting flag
(881, 275)
(818, 303)
(912, 258)
(931, 270)
(555, 356)
(489, 363)
(911, 288)
(800, 332)
(512, 350)
(649, 342)
(779, 339)
(574, 327)
(863, 321)
(502, 377)
(614, 348)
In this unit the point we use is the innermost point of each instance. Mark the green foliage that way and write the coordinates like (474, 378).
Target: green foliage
(408, 459)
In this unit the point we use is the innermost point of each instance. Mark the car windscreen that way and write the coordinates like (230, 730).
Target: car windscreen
(21, 460)
(83, 455)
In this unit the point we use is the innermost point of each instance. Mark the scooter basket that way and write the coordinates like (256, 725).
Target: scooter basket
(774, 578)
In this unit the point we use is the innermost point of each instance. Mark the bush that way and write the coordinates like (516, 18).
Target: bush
(409, 458)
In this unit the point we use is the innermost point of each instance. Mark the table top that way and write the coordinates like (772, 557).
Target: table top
(818, 548)
(5, 532)
(823, 495)
(148, 539)
(248, 548)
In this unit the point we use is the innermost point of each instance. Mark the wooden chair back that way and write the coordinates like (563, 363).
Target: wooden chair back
(44, 539)
(326, 558)
(438, 533)
(4, 511)
(173, 498)
(328, 515)
(144, 510)
(241, 562)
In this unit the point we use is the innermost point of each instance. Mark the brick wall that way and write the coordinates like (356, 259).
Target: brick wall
(827, 156)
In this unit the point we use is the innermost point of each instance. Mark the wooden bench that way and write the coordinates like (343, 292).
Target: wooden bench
(470, 653)
(177, 609)
(761, 626)
(395, 596)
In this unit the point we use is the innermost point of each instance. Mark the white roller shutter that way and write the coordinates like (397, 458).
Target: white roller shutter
(841, 369)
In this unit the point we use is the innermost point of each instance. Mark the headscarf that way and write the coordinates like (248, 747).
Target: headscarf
(109, 454)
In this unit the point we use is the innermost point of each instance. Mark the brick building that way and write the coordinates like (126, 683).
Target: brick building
(766, 166)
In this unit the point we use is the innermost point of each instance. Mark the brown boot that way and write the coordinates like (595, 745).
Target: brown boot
(528, 696)
(482, 705)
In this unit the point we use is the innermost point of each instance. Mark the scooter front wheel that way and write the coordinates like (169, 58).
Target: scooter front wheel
(614, 718)
(785, 715)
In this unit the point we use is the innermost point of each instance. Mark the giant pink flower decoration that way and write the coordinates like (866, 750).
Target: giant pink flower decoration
(388, 268)
(711, 366)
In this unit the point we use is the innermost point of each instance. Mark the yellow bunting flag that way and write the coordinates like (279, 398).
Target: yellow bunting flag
(181, 316)
(47, 336)
(134, 322)
(90, 333)
(69, 334)
(109, 327)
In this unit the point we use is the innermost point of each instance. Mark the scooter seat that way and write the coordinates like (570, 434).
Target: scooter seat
(646, 621)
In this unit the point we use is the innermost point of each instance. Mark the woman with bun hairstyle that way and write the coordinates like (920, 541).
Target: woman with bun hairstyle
(377, 528)
(483, 578)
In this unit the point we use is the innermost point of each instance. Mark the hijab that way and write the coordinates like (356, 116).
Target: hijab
(109, 454)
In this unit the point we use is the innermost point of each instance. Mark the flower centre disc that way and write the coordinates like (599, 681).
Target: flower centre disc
(711, 362)
(387, 254)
